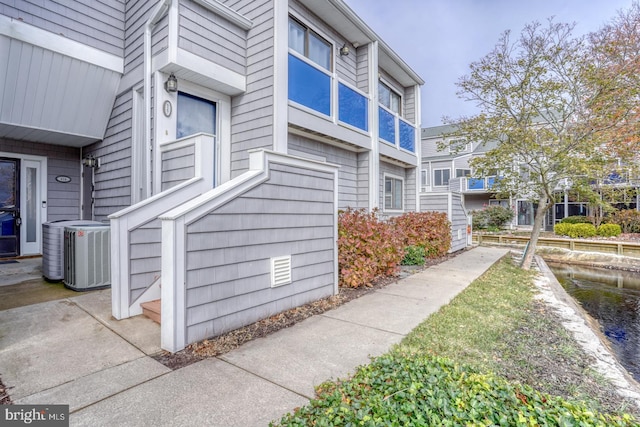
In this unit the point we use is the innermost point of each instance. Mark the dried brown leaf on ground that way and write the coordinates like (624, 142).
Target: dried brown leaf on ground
(224, 343)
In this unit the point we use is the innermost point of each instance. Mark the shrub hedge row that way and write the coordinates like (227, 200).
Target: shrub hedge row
(577, 230)
(369, 247)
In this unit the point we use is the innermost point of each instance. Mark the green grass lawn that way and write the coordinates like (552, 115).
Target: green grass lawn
(493, 356)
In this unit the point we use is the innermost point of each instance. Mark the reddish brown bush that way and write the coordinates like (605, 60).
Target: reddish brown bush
(627, 219)
(367, 248)
(430, 230)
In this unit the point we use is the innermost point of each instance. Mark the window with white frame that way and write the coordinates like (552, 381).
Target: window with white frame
(309, 44)
(463, 173)
(424, 179)
(458, 145)
(393, 193)
(389, 98)
(441, 177)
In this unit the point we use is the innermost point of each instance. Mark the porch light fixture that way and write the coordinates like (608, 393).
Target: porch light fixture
(344, 50)
(91, 162)
(171, 85)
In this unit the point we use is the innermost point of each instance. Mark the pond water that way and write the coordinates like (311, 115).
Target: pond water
(612, 297)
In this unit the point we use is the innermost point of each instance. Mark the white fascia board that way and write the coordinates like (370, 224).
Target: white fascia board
(47, 40)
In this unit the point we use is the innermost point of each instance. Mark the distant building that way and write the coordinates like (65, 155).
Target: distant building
(444, 172)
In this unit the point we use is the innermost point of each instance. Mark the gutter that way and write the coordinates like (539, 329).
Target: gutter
(156, 15)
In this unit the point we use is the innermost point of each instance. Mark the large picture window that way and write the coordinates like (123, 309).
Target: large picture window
(309, 44)
(393, 193)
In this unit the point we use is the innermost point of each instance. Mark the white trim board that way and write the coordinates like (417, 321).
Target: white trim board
(47, 40)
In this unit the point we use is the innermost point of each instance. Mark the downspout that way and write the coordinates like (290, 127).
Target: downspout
(157, 14)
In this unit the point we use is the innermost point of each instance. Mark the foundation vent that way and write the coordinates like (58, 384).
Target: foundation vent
(280, 271)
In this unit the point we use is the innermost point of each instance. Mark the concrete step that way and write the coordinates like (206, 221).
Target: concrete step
(151, 309)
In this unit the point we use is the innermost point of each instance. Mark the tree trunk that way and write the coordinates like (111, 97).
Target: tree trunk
(538, 222)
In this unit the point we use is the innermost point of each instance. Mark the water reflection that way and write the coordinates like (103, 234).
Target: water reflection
(612, 297)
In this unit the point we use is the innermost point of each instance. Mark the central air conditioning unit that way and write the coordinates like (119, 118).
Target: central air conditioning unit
(87, 261)
(53, 246)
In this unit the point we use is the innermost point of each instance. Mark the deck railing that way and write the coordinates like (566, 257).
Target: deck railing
(608, 247)
(136, 231)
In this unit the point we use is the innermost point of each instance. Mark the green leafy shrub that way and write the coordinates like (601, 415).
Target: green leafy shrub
(582, 230)
(575, 230)
(403, 390)
(493, 217)
(429, 230)
(562, 228)
(609, 230)
(413, 255)
(576, 219)
(627, 219)
(367, 248)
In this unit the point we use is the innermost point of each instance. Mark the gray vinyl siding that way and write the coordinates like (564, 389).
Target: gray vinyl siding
(362, 68)
(362, 185)
(145, 257)
(409, 109)
(97, 23)
(349, 174)
(439, 202)
(458, 223)
(252, 112)
(228, 252)
(177, 166)
(475, 201)
(430, 147)
(113, 177)
(63, 199)
(210, 36)
(411, 180)
(409, 186)
(136, 15)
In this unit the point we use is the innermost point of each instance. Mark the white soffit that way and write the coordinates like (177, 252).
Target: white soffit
(61, 95)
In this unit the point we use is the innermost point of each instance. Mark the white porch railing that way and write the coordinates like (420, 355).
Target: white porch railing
(197, 162)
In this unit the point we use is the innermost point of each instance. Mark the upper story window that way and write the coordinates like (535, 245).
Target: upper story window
(309, 44)
(458, 145)
(463, 173)
(389, 98)
(441, 177)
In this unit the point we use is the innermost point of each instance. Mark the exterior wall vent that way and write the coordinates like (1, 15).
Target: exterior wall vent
(280, 271)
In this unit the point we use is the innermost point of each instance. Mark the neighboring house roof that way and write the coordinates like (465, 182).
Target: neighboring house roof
(437, 131)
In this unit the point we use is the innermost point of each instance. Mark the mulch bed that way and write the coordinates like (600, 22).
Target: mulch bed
(224, 343)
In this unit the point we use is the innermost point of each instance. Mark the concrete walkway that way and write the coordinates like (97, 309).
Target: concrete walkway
(71, 351)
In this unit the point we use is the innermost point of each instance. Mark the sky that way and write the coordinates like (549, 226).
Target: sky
(439, 39)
